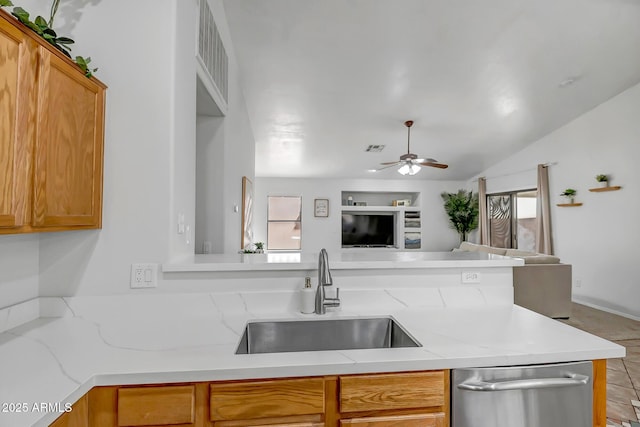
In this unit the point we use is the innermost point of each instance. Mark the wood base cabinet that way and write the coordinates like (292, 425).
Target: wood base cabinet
(420, 420)
(415, 399)
(51, 137)
(405, 399)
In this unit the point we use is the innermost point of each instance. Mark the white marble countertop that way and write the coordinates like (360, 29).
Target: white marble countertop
(349, 259)
(137, 339)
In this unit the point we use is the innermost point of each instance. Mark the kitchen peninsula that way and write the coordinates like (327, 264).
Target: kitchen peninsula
(85, 342)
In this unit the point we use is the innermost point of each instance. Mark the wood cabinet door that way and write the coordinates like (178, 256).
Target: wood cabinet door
(378, 392)
(17, 109)
(309, 424)
(267, 399)
(67, 182)
(77, 417)
(156, 406)
(417, 420)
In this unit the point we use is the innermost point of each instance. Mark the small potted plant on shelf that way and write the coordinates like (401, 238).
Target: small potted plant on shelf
(603, 180)
(258, 248)
(569, 194)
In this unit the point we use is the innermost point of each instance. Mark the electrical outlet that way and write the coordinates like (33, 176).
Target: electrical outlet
(578, 283)
(144, 276)
(470, 277)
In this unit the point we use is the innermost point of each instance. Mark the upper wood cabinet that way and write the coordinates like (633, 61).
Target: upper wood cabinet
(51, 137)
(17, 102)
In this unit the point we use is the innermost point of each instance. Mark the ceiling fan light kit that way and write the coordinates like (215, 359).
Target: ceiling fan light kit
(409, 163)
(409, 169)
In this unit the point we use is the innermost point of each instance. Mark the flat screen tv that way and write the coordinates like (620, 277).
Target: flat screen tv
(368, 230)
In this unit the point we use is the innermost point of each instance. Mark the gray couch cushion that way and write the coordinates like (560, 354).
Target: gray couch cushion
(533, 257)
(472, 247)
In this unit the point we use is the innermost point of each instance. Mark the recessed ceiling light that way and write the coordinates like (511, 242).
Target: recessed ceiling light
(568, 81)
(372, 170)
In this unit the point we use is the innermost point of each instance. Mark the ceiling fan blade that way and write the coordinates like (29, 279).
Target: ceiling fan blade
(388, 166)
(397, 162)
(435, 165)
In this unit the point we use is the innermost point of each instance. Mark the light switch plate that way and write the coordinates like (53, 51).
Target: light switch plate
(144, 276)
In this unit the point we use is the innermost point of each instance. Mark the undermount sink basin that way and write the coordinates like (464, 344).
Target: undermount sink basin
(319, 335)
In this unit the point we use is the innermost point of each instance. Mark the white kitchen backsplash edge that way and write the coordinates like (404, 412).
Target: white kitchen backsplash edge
(273, 301)
(19, 314)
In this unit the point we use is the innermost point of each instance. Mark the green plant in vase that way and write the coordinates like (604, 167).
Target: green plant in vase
(569, 194)
(603, 180)
(462, 209)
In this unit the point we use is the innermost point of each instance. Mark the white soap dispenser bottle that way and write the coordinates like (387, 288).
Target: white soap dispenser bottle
(307, 297)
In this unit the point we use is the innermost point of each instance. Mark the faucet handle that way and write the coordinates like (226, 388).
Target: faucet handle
(337, 298)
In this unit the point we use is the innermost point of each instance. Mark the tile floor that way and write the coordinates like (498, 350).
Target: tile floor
(623, 375)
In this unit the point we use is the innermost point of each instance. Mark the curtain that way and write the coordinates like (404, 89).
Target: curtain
(544, 242)
(483, 213)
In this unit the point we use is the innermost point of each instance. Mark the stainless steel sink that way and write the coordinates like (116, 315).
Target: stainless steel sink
(319, 335)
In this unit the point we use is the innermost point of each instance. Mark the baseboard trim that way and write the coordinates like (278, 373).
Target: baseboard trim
(607, 309)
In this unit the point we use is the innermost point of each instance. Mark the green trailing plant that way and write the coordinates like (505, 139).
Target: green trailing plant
(602, 178)
(462, 209)
(44, 29)
(83, 63)
(260, 245)
(54, 10)
(569, 192)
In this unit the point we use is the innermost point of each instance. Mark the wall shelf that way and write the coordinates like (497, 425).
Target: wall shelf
(601, 189)
(379, 208)
(568, 205)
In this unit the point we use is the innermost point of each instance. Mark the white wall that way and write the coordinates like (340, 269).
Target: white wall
(598, 238)
(18, 269)
(209, 169)
(230, 146)
(138, 140)
(326, 232)
(145, 51)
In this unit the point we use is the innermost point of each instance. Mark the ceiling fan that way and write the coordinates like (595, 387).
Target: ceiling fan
(409, 163)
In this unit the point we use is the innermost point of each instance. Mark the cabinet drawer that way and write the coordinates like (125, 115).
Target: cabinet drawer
(151, 406)
(391, 391)
(262, 399)
(418, 420)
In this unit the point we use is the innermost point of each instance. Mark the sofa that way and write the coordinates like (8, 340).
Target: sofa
(542, 284)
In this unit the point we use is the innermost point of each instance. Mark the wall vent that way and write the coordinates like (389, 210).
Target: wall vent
(374, 148)
(211, 51)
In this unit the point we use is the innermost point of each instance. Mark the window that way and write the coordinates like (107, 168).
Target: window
(512, 219)
(284, 223)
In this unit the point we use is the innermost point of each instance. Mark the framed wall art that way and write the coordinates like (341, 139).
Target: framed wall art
(247, 213)
(321, 207)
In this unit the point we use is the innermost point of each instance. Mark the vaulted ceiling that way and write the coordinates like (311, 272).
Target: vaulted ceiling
(324, 79)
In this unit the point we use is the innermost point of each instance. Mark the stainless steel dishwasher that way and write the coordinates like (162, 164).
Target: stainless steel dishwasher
(558, 395)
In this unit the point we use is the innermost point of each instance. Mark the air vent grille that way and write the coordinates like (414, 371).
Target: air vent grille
(212, 51)
(374, 148)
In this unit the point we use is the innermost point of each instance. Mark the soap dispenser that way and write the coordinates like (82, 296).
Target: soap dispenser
(307, 297)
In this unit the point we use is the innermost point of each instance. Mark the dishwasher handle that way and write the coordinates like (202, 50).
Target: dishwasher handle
(527, 384)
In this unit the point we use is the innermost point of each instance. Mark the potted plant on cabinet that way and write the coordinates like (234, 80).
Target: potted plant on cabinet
(603, 180)
(44, 29)
(569, 194)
